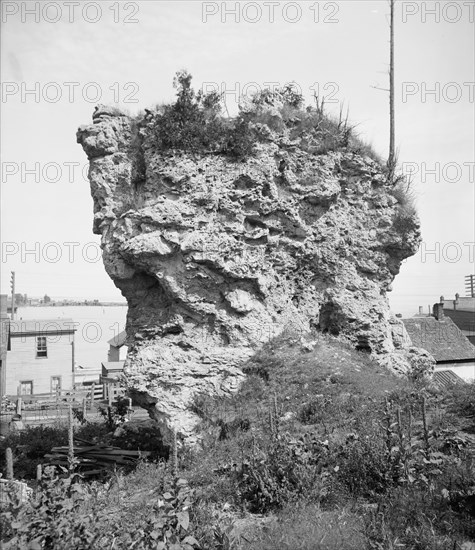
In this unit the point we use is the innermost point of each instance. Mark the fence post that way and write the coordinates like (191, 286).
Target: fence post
(39, 472)
(18, 406)
(9, 461)
(424, 425)
(70, 439)
(84, 409)
(174, 454)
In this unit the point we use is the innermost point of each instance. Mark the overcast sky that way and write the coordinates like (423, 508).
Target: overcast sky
(57, 63)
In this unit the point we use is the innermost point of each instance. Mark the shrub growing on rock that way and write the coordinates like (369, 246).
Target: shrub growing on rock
(194, 123)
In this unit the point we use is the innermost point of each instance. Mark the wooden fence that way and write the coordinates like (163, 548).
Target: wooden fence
(51, 407)
(93, 392)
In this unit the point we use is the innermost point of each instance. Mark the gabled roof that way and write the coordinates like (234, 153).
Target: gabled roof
(32, 327)
(442, 339)
(119, 339)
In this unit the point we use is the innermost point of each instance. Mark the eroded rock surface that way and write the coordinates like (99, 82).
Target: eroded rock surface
(215, 257)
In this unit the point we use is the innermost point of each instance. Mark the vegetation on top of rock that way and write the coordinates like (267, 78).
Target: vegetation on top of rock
(195, 123)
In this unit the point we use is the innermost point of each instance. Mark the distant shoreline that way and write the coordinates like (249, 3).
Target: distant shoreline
(75, 304)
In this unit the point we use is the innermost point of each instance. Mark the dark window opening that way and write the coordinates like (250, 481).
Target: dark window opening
(41, 348)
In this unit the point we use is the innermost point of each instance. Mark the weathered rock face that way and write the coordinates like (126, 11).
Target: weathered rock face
(215, 257)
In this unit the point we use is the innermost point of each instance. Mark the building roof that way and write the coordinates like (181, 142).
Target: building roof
(113, 365)
(442, 339)
(33, 327)
(465, 320)
(446, 378)
(119, 339)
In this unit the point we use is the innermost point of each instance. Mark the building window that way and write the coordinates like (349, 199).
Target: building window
(26, 387)
(55, 384)
(41, 350)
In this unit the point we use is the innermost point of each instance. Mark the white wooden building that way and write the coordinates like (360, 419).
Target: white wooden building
(39, 356)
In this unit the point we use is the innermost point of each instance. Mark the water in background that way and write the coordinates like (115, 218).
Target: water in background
(95, 325)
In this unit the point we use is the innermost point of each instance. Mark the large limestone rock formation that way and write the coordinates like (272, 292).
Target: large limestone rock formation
(216, 257)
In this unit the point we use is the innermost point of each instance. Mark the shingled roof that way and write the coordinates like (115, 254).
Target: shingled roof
(442, 339)
(118, 340)
(465, 320)
(446, 378)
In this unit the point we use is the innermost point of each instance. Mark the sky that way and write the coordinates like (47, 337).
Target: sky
(59, 59)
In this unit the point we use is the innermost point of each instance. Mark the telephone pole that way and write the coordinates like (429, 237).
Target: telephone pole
(470, 286)
(392, 124)
(12, 283)
(391, 162)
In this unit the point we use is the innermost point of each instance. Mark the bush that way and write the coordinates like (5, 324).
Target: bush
(30, 445)
(194, 123)
(461, 399)
(67, 514)
(240, 140)
(364, 466)
(405, 219)
(282, 472)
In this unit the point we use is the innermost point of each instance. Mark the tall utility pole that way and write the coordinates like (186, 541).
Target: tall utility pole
(470, 286)
(392, 125)
(12, 283)
(391, 162)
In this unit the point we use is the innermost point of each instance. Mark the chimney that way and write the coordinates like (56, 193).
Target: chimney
(438, 311)
(421, 310)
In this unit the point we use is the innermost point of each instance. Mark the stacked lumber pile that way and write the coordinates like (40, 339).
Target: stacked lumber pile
(92, 459)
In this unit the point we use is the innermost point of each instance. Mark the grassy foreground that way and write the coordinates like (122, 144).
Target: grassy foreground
(320, 450)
